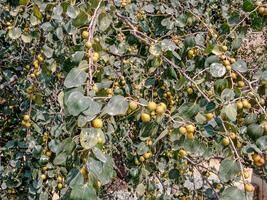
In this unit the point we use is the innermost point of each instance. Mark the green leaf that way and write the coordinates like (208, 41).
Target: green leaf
(217, 70)
(230, 111)
(262, 143)
(229, 169)
(142, 148)
(99, 154)
(73, 11)
(14, 33)
(232, 193)
(76, 103)
(23, 2)
(140, 189)
(155, 49)
(37, 13)
(190, 42)
(77, 56)
(227, 94)
(60, 159)
(85, 192)
(240, 65)
(117, 105)
(48, 52)
(89, 137)
(104, 21)
(248, 5)
(81, 19)
(75, 78)
(103, 171)
(254, 131)
(93, 109)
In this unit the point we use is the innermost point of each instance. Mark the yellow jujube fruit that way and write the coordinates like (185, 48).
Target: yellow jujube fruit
(145, 117)
(163, 105)
(141, 159)
(133, 105)
(182, 130)
(85, 34)
(190, 128)
(209, 116)
(97, 123)
(147, 155)
(160, 110)
(43, 177)
(59, 186)
(95, 56)
(40, 58)
(151, 106)
(239, 105)
(182, 153)
(249, 187)
(88, 44)
(226, 62)
(26, 117)
(225, 141)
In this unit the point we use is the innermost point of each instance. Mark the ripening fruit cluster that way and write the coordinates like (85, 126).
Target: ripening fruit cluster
(262, 9)
(192, 53)
(182, 153)
(125, 2)
(244, 103)
(144, 157)
(36, 66)
(60, 182)
(88, 44)
(188, 131)
(154, 110)
(249, 187)
(170, 98)
(258, 159)
(227, 61)
(26, 121)
(29, 92)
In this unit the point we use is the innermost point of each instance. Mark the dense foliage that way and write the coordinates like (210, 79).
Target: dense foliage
(145, 92)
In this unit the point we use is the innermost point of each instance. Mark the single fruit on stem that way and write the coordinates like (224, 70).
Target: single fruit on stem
(133, 105)
(160, 110)
(256, 157)
(182, 153)
(182, 130)
(26, 117)
(190, 90)
(249, 187)
(141, 158)
(147, 155)
(239, 105)
(145, 117)
(163, 105)
(151, 106)
(43, 176)
(85, 34)
(190, 128)
(209, 116)
(97, 123)
(59, 186)
(225, 141)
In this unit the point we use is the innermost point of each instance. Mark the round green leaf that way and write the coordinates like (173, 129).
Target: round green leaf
(89, 137)
(117, 105)
(217, 70)
(75, 78)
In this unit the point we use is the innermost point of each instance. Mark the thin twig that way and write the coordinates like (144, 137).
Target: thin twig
(236, 154)
(91, 29)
